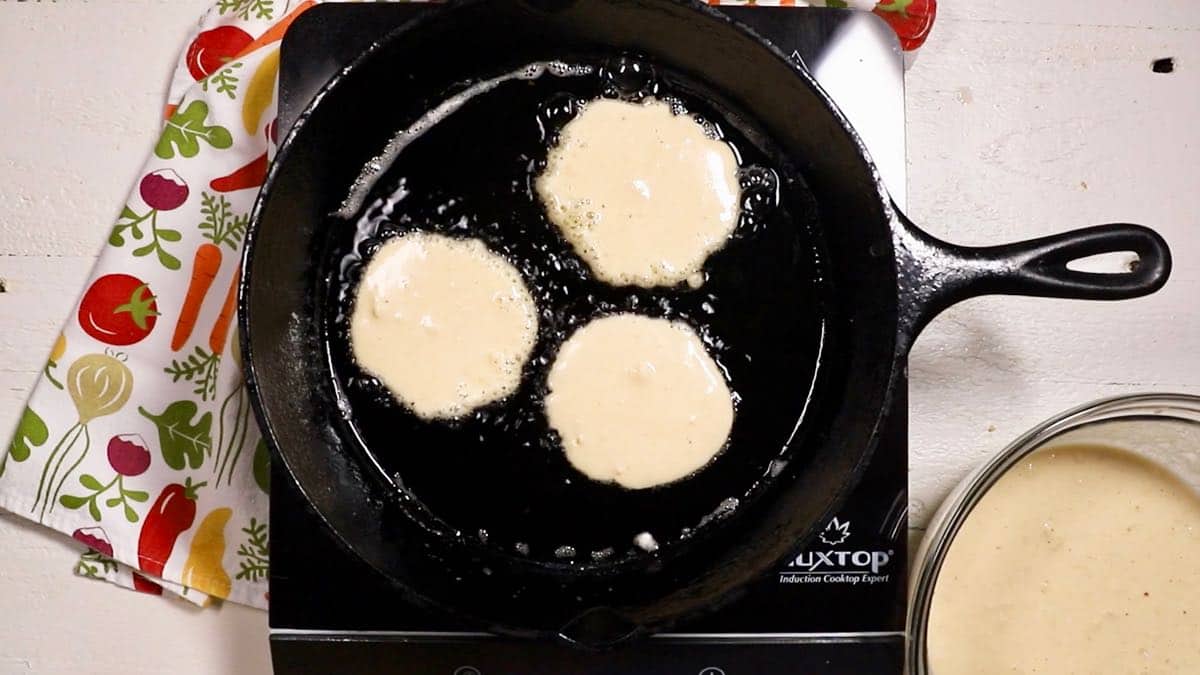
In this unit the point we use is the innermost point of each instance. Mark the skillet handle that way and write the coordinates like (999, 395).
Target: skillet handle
(935, 274)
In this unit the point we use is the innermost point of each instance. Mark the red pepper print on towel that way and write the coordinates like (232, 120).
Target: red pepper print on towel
(172, 514)
(252, 175)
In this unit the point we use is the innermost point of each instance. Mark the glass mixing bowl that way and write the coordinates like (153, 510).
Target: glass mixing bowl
(1164, 428)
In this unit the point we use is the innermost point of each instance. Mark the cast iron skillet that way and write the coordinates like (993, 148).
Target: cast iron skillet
(409, 502)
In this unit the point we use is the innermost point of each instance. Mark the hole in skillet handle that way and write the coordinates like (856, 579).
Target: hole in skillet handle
(934, 274)
(599, 629)
(1106, 263)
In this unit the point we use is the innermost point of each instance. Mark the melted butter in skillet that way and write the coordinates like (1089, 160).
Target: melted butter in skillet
(638, 401)
(643, 195)
(444, 323)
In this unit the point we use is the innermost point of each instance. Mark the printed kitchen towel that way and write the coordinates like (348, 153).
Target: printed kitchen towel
(138, 439)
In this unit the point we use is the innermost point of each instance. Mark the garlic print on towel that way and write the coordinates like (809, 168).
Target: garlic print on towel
(99, 385)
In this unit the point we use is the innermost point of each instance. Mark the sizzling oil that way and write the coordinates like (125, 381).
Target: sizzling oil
(501, 470)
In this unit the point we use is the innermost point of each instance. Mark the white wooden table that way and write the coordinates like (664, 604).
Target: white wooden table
(1018, 125)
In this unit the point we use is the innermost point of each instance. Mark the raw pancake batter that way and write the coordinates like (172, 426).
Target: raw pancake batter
(444, 323)
(1080, 559)
(642, 194)
(638, 401)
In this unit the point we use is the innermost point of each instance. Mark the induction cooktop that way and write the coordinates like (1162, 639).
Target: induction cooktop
(835, 607)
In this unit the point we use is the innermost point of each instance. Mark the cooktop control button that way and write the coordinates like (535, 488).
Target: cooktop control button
(712, 670)
(470, 670)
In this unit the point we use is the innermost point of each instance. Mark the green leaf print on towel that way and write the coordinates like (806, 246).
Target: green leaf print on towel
(185, 130)
(95, 565)
(128, 457)
(200, 368)
(91, 500)
(221, 225)
(31, 433)
(162, 190)
(184, 442)
(253, 563)
(224, 80)
(247, 9)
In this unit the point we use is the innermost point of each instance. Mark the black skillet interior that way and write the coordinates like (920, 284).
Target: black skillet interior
(498, 478)
(768, 303)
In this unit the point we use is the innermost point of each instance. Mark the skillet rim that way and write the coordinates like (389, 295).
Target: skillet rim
(888, 213)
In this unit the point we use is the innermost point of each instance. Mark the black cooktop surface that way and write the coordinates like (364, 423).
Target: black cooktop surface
(836, 607)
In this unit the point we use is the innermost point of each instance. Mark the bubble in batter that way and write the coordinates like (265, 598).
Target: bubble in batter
(445, 324)
(638, 401)
(642, 194)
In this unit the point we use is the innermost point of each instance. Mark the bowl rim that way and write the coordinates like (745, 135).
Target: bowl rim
(943, 526)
